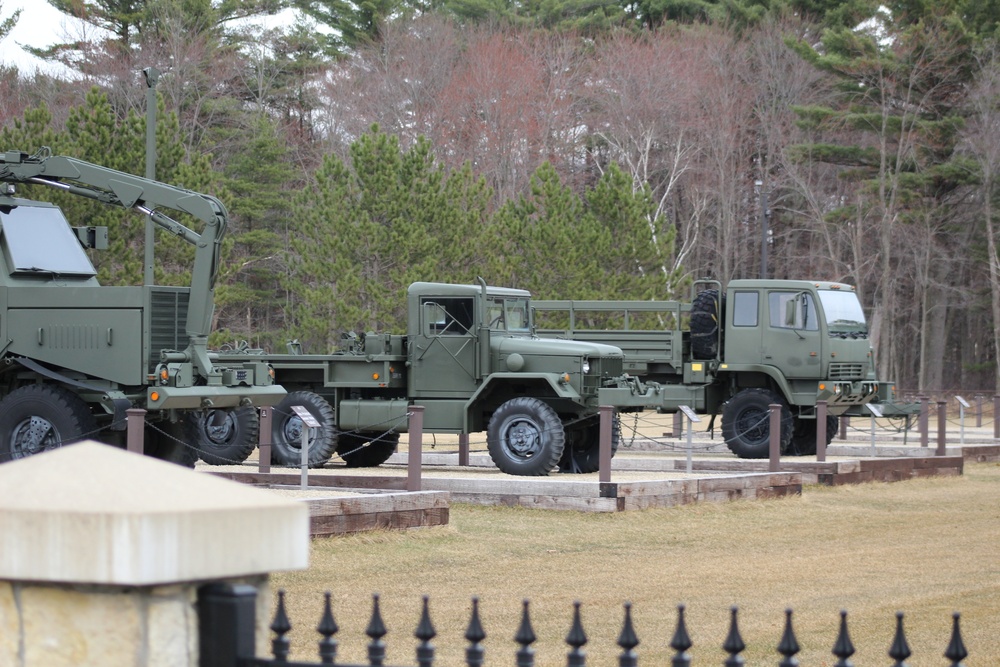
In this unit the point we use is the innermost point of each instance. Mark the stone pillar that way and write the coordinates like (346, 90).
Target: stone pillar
(103, 553)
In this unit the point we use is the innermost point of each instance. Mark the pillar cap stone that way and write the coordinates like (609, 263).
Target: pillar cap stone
(91, 513)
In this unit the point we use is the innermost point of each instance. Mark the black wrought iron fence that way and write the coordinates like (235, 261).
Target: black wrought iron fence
(227, 637)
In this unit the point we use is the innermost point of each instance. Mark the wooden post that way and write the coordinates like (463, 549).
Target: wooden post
(414, 455)
(996, 413)
(821, 431)
(463, 449)
(924, 416)
(775, 432)
(136, 424)
(264, 440)
(942, 419)
(604, 453)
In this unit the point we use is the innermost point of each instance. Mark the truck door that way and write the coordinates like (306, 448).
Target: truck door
(444, 360)
(791, 337)
(741, 344)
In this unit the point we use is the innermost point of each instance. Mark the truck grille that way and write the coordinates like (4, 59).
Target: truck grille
(601, 367)
(167, 322)
(847, 371)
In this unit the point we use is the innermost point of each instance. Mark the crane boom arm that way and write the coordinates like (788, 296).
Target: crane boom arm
(117, 188)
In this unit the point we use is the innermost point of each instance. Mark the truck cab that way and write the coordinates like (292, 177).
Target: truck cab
(809, 338)
(474, 344)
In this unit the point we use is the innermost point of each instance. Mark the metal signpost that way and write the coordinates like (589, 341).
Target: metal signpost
(309, 422)
(962, 405)
(876, 412)
(692, 418)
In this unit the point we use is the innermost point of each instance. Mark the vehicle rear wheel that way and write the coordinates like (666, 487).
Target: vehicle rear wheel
(746, 423)
(286, 431)
(804, 435)
(525, 437)
(40, 417)
(224, 437)
(583, 445)
(366, 449)
(169, 441)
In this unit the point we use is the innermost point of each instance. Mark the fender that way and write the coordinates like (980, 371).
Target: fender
(780, 381)
(113, 400)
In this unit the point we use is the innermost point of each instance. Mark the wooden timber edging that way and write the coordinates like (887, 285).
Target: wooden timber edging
(850, 471)
(887, 467)
(389, 511)
(543, 493)
(357, 512)
(981, 453)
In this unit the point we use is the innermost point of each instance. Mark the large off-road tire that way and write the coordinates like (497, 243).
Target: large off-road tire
(583, 445)
(224, 437)
(525, 437)
(286, 431)
(746, 423)
(366, 449)
(169, 441)
(707, 315)
(40, 417)
(804, 435)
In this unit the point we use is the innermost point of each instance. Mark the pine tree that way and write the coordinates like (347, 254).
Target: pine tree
(895, 135)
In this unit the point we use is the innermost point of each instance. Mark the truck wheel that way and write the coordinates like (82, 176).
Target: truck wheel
(525, 437)
(168, 441)
(746, 423)
(583, 445)
(804, 435)
(286, 431)
(39, 417)
(707, 313)
(224, 437)
(366, 450)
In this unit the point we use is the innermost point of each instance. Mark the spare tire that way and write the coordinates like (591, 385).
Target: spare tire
(707, 315)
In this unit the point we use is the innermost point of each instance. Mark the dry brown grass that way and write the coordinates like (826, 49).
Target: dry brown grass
(927, 547)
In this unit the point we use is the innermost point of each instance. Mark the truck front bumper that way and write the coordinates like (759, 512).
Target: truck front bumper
(206, 397)
(842, 393)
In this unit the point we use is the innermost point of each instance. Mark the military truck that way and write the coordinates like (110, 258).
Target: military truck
(76, 354)
(737, 350)
(470, 359)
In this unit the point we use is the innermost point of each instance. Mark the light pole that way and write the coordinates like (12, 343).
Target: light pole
(765, 214)
(150, 74)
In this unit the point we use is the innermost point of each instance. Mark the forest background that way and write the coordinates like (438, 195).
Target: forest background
(580, 149)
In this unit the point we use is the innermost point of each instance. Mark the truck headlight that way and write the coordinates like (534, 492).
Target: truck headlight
(586, 366)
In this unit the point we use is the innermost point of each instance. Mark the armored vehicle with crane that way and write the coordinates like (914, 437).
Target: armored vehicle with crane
(77, 354)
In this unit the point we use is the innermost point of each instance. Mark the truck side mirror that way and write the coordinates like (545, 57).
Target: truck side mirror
(95, 238)
(791, 309)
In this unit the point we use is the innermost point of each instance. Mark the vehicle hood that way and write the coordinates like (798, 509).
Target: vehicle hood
(555, 347)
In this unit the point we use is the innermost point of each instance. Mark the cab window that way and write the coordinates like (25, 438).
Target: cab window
(448, 316)
(745, 309)
(793, 310)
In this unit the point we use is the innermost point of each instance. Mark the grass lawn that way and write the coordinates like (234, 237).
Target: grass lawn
(926, 547)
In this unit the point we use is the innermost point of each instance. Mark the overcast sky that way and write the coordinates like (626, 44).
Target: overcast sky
(40, 25)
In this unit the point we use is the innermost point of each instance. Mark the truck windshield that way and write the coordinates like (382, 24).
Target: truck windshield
(39, 241)
(843, 312)
(507, 314)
